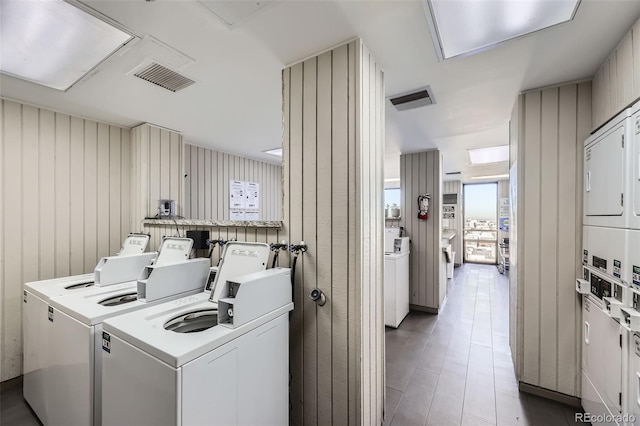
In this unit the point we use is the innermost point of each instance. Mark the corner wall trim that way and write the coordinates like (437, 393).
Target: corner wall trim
(549, 394)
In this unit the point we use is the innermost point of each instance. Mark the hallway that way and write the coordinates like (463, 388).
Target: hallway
(456, 368)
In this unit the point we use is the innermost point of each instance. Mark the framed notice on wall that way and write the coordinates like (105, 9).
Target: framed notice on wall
(244, 200)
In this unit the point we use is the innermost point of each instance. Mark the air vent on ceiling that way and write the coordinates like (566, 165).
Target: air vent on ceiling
(164, 77)
(453, 173)
(413, 99)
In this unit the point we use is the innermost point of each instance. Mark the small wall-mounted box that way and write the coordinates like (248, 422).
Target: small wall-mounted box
(166, 208)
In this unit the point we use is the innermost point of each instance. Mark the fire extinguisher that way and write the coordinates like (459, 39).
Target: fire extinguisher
(423, 206)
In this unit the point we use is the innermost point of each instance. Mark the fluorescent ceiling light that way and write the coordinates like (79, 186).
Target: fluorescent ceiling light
(392, 180)
(494, 154)
(54, 43)
(468, 26)
(275, 151)
(490, 177)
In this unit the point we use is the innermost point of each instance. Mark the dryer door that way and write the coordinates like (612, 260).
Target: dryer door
(604, 174)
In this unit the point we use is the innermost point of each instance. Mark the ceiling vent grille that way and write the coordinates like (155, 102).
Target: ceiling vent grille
(164, 77)
(413, 99)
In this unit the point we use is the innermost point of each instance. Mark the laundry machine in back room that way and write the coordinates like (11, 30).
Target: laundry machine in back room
(125, 266)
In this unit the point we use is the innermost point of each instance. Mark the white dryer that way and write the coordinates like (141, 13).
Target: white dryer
(602, 348)
(159, 361)
(126, 266)
(76, 326)
(607, 165)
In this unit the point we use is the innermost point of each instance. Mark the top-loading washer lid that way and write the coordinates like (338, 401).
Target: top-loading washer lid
(134, 244)
(239, 258)
(173, 250)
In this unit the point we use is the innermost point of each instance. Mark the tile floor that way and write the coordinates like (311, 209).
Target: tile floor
(455, 368)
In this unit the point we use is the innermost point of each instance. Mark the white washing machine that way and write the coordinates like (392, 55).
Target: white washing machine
(158, 362)
(396, 288)
(602, 349)
(126, 266)
(607, 165)
(76, 326)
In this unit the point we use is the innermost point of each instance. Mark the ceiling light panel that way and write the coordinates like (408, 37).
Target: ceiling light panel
(466, 26)
(54, 43)
(233, 11)
(494, 154)
(490, 177)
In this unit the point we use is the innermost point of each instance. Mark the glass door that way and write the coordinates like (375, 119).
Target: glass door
(481, 223)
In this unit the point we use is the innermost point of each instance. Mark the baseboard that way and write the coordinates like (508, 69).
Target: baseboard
(549, 394)
(423, 309)
(7, 384)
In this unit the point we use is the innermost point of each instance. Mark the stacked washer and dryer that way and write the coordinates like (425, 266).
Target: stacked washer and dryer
(610, 281)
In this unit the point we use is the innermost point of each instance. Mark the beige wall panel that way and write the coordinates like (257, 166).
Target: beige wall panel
(11, 302)
(308, 408)
(568, 150)
(606, 91)
(177, 172)
(316, 214)
(553, 124)
(548, 238)
(30, 200)
(49, 177)
(115, 175)
(597, 109)
(319, 122)
(90, 194)
(353, 215)
(531, 242)
(614, 104)
(154, 171)
(46, 192)
(333, 115)
(103, 190)
(625, 71)
(62, 211)
(420, 173)
(76, 171)
(125, 187)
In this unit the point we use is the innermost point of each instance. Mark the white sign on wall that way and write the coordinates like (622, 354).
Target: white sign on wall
(244, 200)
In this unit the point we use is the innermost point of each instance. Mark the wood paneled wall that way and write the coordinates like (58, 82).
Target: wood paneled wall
(333, 200)
(207, 183)
(64, 190)
(616, 85)
(552, 125)
(455, 187)
(157, 171)
(421, 173)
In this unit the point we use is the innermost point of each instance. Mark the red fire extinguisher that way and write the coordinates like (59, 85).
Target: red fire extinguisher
(423, 206)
